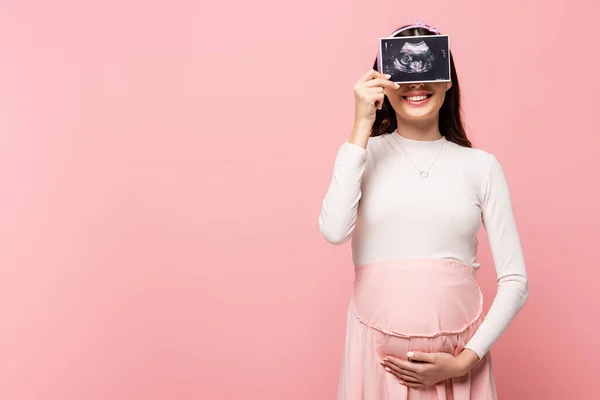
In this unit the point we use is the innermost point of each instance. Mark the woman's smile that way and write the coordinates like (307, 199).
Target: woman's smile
(417, 98)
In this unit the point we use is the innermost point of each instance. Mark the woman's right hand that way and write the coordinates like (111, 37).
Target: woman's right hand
(369, 96)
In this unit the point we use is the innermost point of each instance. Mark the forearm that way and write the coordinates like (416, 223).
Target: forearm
(512, 294)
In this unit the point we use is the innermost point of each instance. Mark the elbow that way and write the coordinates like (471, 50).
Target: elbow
(337, 222)
(525, 292)
(335, 238)
(335, 234)
(523, 289)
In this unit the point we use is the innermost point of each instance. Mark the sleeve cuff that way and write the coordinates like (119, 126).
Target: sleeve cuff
(478, 349)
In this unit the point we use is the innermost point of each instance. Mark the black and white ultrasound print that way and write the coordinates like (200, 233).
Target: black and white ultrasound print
(416, 58)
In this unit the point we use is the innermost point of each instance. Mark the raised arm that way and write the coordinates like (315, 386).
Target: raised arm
(340, 205)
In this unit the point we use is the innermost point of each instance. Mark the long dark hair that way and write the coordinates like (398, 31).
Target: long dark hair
(450, 119)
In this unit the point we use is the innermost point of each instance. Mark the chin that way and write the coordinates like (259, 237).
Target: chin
(421, 115)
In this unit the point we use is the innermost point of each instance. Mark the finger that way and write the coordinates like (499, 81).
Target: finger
(396, 369)
(367, 76)
(376, 89)
(372, 74)
(420, 356)
(414, 368)
(380, 82)
(412, 384)
(372, 95)
(405, 380)
(378, 100)
(409, 379)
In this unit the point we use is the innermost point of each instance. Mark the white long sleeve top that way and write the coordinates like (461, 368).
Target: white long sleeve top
(378, 198)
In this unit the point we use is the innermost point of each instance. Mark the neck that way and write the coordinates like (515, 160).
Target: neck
(419, 130)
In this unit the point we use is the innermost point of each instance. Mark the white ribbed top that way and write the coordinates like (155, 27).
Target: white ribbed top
(378, 198)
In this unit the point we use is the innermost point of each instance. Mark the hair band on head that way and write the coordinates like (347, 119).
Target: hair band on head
(418, 24)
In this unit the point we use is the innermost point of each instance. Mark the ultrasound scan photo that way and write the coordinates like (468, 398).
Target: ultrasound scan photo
(416, 58)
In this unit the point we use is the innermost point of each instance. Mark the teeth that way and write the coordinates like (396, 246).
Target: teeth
(416, 98)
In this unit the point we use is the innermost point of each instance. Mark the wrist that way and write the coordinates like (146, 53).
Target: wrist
(466, 360)
(361, 131)
(363, 124)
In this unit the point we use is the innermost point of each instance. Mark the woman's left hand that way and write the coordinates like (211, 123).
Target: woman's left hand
(435, 367)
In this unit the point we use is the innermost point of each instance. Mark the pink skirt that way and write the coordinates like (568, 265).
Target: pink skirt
(428, 305)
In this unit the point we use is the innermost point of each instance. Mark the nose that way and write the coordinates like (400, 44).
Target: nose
(416, 85)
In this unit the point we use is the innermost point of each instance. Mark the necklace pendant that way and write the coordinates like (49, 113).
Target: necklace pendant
(424, 174)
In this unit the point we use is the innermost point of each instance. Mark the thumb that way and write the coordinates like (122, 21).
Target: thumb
(420, 356)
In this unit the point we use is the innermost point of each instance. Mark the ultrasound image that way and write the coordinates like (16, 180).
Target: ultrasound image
(416, 58)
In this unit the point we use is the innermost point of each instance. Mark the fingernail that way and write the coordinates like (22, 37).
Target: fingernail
(410, 354)
(382, 362)
(387, 369)
(385, 359)
(402, 383)
(388, 76)
(397, 86)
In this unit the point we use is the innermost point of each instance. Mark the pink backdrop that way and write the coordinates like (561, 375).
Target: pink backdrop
(163, 165)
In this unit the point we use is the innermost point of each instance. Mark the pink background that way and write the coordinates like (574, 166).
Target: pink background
(163, 164)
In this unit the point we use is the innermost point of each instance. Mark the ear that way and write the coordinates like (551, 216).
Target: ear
(448, 85)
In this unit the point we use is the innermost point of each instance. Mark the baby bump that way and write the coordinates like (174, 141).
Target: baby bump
(414, 298)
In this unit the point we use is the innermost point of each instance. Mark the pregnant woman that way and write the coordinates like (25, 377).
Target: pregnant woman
(412, 193)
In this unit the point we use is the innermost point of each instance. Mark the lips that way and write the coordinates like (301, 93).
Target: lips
(417, 98)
